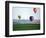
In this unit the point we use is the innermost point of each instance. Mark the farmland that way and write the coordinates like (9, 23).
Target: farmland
(26, 25)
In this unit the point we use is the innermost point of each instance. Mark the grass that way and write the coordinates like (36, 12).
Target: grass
(17, 27)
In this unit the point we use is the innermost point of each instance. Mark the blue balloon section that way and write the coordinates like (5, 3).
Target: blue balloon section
(31, 18)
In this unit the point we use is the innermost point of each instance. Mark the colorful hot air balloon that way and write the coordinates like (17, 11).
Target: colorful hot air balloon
(31, 18)
(35, 10)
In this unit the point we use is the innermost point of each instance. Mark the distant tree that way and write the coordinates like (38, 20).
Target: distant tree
(19, 17)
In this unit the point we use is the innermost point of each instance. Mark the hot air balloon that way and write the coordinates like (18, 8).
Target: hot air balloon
(35, 10)
(31, 18)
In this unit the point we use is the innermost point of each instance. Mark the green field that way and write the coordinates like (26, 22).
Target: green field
(17, 27)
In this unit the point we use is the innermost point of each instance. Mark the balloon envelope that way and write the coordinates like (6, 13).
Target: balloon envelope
(35, 10)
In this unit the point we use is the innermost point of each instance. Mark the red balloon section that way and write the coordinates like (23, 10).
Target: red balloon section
(35, 10)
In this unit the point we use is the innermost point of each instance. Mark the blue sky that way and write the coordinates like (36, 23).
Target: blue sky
(25, 12)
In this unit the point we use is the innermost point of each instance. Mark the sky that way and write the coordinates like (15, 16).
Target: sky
(25, 13)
